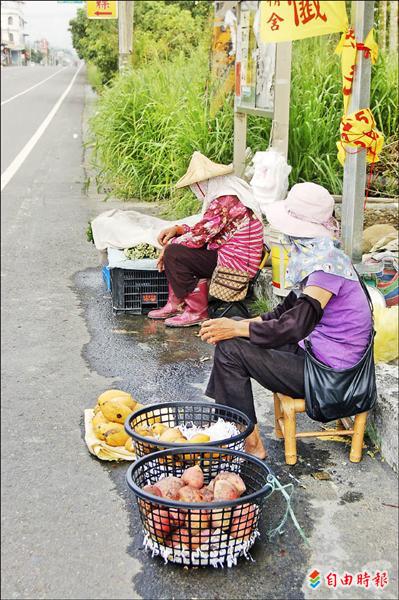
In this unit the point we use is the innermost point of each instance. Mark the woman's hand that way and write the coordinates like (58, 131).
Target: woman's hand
(167, 234)
(216, 330)
(160, 261)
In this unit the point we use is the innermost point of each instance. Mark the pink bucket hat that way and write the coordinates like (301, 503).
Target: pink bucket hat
(307, 212)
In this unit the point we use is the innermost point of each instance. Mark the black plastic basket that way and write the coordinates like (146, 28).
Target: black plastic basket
(172, 414)
(204, 533)
(138, 291)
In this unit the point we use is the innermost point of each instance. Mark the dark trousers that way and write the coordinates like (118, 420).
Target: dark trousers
(185, 266)
(237, 360)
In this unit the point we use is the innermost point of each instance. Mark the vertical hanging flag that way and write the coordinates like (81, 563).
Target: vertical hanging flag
(285, 20)
(347, 49)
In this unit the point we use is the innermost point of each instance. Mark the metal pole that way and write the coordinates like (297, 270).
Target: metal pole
(240, 142)
(354, 184)
(125, 29)
(240, 118)
(282, 89)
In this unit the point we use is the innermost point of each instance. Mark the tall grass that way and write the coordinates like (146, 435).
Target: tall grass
(150, 121)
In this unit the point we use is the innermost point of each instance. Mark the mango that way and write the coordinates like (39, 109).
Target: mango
(170, 435)
(116, 410)
(97, 420)
(158, 428)
(111, 394)
(129, 446)
(199, 438)
(116, 435)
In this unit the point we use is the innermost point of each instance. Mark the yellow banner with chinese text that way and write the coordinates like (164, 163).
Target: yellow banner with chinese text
(285, 20)
(102, 9)
(358, 132)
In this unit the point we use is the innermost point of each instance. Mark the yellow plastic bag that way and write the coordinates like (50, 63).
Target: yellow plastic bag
(386, 324)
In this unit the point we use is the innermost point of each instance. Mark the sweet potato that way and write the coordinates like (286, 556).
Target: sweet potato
(224, 490)
(245, 510)
(221, 518)
(211, 485)
(179, 539)
(244, 518)
(198, 519)
(207, 494)
(203, 538)
(232, 478)
(159, 523)
(194, 477)
(152, 489)
(170, 486)
(178, 516)
(189, 494)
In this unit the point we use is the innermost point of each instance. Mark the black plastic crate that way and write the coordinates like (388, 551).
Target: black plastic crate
(138, 291)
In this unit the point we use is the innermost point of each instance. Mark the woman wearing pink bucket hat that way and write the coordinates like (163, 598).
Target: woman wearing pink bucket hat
(327, 307)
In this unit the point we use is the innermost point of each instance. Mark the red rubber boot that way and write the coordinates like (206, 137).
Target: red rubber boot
(174, 306)
(196, 309)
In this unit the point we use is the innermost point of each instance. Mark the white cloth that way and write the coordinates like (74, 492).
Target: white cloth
(270, 178)
(117, 259)
(100, 448)
(230, 185)
(126, 228)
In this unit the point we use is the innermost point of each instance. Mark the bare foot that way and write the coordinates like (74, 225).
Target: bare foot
(259, 451)
(254, 444)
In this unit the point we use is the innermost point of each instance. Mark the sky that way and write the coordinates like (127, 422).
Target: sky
(49, 19)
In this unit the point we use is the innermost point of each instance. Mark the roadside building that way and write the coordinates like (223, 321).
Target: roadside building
(13, 33)
(42, 46)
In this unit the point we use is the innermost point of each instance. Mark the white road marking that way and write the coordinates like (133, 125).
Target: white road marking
(32, 87)
(26, 150)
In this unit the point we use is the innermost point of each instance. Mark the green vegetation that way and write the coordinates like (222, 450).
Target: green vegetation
(162, 30)
(89, 233)
(96, 42)
(94, 77)
(36, 56)
(260, 306)
(150, 120)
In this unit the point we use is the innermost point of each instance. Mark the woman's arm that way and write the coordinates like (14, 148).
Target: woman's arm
(292, 326)
(215, 219)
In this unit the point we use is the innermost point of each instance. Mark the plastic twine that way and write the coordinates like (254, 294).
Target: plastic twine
(287, 491)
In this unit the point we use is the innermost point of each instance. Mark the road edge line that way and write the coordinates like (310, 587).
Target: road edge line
(13, 168)
(32, 87)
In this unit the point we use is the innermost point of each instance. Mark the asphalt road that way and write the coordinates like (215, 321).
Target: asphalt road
(70, 528)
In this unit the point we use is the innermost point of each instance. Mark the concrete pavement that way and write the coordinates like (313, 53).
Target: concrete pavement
(70, 527)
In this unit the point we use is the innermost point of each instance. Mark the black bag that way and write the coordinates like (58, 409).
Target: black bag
(333, 394)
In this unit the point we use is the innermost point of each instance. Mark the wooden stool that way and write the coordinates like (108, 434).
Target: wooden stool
(285, 409)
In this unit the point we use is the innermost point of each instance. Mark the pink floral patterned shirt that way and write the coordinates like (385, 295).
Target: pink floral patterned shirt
(230, 228)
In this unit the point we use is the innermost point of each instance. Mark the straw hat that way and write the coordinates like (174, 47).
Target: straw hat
(200, 169)
(307, 212)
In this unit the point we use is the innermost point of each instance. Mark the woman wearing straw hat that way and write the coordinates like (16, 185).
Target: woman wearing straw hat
(230, 234)
(329, 308)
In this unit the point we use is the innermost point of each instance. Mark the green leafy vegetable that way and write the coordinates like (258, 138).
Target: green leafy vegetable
(141, 251)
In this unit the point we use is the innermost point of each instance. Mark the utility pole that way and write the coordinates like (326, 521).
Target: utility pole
(354, 185)
(125, 29)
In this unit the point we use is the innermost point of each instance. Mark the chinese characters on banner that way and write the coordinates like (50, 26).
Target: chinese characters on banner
(348, 49)
(102, 9)
(285, 20)
(358, 132)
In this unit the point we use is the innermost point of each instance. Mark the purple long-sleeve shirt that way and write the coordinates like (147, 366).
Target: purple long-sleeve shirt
(339, 334)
